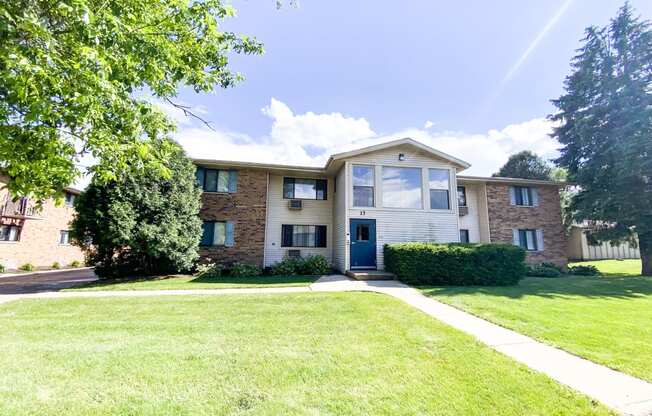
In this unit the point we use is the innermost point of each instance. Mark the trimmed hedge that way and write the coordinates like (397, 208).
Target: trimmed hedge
(455, 263)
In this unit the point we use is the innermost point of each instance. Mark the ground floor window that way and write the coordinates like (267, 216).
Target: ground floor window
(64, 237)
(9, 232)
(218, 233)
(529, 239)
(303, 235)
(464, 236)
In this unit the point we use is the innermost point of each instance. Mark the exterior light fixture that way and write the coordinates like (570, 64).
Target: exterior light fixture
(401, 157)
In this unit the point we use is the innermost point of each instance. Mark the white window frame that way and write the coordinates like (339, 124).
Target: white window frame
(374, 192)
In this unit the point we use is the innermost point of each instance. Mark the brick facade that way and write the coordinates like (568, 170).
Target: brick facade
(39, 238)
(247, 209)
(504, 217)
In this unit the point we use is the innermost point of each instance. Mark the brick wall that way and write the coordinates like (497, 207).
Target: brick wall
(247, 209)
(503, 218)
(39, 238)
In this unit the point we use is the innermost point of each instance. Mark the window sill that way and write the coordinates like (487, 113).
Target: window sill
(304, 199)
(9, 242)
(218, 193)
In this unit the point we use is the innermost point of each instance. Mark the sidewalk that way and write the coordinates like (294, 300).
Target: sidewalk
(626, 394)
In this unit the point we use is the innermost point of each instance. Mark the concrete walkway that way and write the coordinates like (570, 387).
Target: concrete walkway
(626, 394)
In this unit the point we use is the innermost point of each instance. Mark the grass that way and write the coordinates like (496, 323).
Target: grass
(194, 282)
(312, 353)
(605, 319)
(629, 267)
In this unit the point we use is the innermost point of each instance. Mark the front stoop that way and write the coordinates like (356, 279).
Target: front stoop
(370, 275)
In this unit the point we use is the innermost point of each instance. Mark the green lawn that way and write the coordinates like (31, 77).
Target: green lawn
(605, 319)
(194, 282)
(630, 267)
(312, 353)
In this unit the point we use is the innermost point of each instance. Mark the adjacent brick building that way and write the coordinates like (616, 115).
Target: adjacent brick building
(36, 236)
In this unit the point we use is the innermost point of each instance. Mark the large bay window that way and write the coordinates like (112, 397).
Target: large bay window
(402, 187)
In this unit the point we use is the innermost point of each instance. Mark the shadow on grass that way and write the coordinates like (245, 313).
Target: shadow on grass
(561, 287)
(186, 281)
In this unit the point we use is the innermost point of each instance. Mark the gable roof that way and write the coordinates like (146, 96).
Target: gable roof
(460, 164)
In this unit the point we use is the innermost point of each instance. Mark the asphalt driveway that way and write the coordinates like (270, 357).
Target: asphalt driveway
(44, 282)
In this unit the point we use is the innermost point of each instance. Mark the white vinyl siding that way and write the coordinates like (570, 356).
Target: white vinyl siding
(471, 221)
(313, 212)
(340, 221)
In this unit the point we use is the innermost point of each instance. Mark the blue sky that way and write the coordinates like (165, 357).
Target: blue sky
(342, 74)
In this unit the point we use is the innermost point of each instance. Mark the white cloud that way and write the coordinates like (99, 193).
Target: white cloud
(310, 138)
(428, 124)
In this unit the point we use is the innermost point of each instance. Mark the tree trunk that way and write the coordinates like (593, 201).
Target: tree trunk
(645, 246)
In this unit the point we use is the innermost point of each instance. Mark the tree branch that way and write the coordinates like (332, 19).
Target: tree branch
(188, 112)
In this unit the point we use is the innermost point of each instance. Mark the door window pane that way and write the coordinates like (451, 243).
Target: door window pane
(362, 232)
(401, 187)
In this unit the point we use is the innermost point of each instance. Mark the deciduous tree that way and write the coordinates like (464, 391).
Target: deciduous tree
(526, 165)
(73, 75)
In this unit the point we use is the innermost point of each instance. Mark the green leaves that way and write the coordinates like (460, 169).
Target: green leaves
(145, 222)
(605, 127)
(69, 70)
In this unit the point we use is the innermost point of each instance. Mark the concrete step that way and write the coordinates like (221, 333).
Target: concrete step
(370, 275)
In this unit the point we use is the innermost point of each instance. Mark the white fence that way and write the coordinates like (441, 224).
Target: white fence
(580, 249)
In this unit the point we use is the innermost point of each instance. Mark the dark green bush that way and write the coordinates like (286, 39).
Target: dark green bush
(311, 265)
(583, 270)
(2, 268)
(314, 265)
(542, 270)
(27, 267)
(455, 263)
(244, 270)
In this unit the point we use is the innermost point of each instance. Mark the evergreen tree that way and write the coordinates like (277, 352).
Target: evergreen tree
(526, 165)
(141, 223)
(605, 127)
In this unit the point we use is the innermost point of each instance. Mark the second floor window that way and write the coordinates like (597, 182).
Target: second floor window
(363, 186)
(9, 233)
(402, 187)
(523, 196)
(70, 199)
(439, 184)
(64, 237)
(217, 180)
(461, 196)
(299, 188)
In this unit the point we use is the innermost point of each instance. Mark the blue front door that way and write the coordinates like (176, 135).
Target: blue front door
(363, 244)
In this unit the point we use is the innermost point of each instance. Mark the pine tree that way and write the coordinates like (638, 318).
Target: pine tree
(605, 127)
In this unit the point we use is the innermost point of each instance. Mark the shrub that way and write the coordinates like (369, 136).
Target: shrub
(314, 265)
(56, 265)
(2, 268)
(584, 270)
(75, 263)
(27, 267)
(311, 265)
(210, 270)
(245, 270)
(542, 270)
(287, 266)
(455, 263)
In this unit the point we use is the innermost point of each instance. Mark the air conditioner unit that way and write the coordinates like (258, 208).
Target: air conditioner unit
(295, 204)
(294, 254)
(463, 211)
